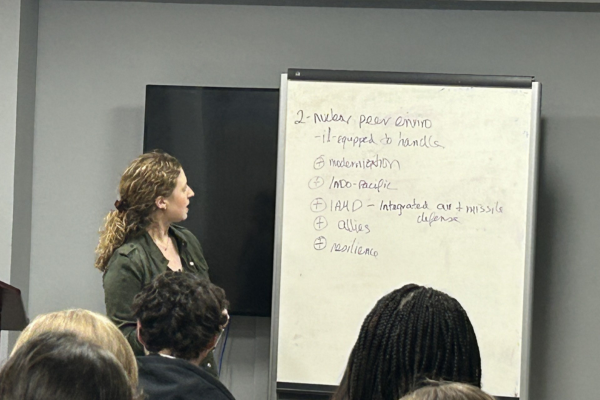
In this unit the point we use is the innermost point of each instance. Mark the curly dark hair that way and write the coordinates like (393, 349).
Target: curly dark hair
(180, 312)
(411, 334)
(61, 366)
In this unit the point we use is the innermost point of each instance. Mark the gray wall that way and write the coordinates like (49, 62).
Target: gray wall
(18, 50)
(95, 58)
(9, 66)
(23, 172)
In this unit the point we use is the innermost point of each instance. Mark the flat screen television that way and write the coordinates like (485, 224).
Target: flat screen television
(226, 140)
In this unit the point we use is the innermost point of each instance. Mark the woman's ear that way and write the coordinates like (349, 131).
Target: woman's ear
(161, 203)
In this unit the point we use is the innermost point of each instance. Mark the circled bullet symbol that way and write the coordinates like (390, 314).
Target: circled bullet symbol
(320, 223)
(316, 182)
(318, 205)
(319, 162)
(320, 243)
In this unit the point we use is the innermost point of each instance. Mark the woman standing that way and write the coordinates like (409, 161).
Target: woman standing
(140, 240)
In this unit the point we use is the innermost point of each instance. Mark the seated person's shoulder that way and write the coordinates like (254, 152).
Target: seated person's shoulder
(171, 378)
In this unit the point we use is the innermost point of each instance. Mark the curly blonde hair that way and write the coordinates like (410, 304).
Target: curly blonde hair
(441, 390)
(149, 176)
(86, 325)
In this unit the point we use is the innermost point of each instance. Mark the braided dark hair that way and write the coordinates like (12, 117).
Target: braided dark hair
(411, 334)
(180, 312)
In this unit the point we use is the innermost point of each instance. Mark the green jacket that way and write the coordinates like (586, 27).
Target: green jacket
(134, 265)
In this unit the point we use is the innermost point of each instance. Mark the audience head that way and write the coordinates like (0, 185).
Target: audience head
(181, 314)
(151, 175)
(86, 325)
(62, 366)
(413, 333)
(441, 390)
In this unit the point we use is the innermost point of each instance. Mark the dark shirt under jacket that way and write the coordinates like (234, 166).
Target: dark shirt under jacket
(165, 378)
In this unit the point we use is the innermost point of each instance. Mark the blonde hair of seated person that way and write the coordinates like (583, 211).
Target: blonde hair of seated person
(439, 390)
(62, 366)
(89, 326)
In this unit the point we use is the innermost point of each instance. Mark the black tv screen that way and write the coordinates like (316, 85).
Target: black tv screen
(226, 140)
